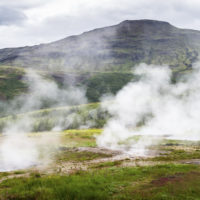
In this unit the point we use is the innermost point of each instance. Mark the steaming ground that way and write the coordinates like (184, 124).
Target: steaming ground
(134, 157)
(17, 149)
(145, 112)
(20, 151)
(142, 114)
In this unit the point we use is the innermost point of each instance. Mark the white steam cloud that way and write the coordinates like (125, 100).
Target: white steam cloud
(153, 108)
(17, 149)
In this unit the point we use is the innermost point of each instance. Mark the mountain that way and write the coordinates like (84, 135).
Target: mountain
(100, 60)
(115, 48)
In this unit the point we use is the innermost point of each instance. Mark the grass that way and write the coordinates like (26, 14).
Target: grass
(106, 180)
(175, 155)
(107, 164)
(19, 172)
(83, 132)
(142, 183)
(3, 174)
(80, 138)
(175, 150)
(79, 156)
(178, 186)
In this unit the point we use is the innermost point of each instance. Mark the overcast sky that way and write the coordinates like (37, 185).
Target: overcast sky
(29, 22)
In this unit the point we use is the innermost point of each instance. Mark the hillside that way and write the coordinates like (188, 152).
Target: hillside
(114, 48)
(13, 82)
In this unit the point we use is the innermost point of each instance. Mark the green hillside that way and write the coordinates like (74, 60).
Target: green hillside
(66, 117)
(11, 82)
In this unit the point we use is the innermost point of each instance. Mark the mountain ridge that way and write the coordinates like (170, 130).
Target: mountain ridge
(114, 48)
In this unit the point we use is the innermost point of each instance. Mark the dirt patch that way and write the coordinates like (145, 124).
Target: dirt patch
(110, 156)
(84, 158)
(179, 178)
(99, 150)
(169, 179)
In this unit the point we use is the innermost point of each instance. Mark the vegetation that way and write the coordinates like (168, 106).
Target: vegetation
(178, 154)
(97, 84)
(140, 183)
(84, 116)
(106, 83)
(79, 156)
(11, 82)
(80, 138)
(92, 174)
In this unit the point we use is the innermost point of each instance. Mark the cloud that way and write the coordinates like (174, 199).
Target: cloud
(54, 19)
(10, 16)
(23, 4)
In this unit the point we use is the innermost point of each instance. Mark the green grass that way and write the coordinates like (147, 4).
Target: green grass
(107, 180)
(175, 150)
(107, 164)
(172, 187)
(19, 172)
(3, 174)
(78, 156)
(140, 183)
(83, 132)
(175, 155)
(80, 138)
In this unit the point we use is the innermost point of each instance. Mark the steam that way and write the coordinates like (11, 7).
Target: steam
(142, 113)
(152, 108)
(17, 149)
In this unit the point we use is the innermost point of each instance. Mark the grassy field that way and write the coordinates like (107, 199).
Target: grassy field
(81, 170)
(80, 138)
(169, 181)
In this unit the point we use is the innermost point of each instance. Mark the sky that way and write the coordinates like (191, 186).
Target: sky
(31, 22)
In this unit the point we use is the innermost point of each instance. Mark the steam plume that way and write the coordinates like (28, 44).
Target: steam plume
(17, 149)
(153, 108)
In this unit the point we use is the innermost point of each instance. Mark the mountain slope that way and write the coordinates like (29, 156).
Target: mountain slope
(114, 48)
